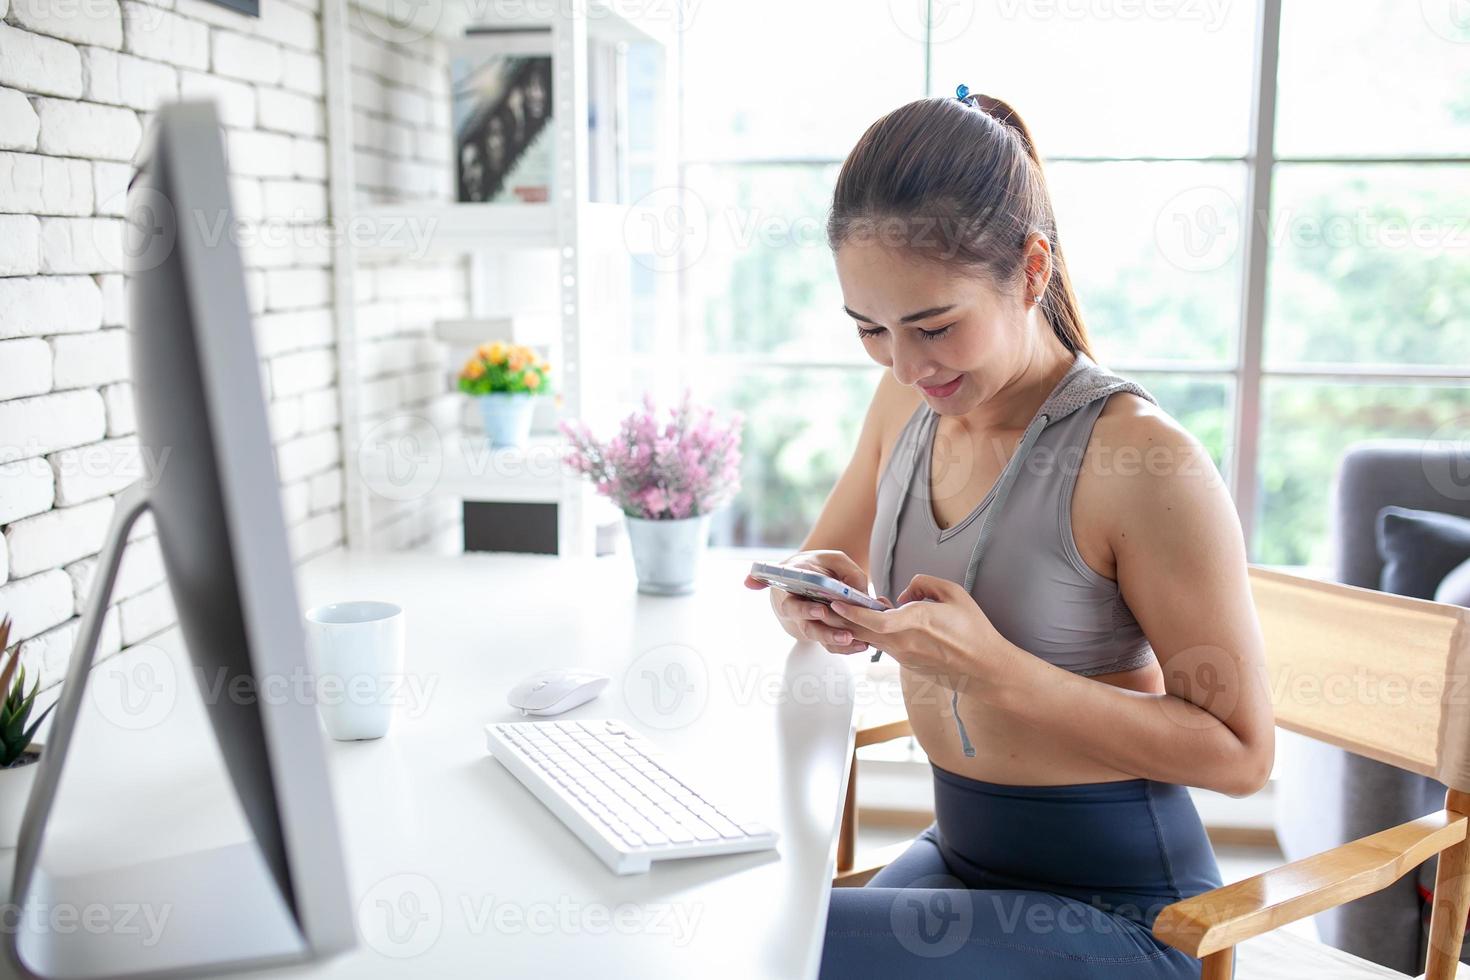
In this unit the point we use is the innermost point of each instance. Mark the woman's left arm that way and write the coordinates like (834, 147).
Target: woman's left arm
(1181, 566)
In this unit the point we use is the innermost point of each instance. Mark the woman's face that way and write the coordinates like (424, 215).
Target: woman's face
(954, 337)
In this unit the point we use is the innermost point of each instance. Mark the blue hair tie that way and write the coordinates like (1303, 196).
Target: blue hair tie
(962, 92)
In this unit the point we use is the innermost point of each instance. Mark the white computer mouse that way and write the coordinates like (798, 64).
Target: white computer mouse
(550, 692)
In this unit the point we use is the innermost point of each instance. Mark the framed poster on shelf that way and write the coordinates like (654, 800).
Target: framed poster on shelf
(502, 115)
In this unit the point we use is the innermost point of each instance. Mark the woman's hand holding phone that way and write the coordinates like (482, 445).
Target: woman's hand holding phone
(807, 619)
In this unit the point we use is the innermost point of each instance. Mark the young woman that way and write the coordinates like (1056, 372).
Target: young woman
(1075, 629)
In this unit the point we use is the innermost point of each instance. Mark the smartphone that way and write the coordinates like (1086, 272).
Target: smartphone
(811, 585)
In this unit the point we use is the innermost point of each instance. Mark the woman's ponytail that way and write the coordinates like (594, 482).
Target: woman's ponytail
(976, 188)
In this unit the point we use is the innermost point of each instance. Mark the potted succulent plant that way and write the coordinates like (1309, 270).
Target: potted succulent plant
(505, 379)
(667, 477)
(18, 752)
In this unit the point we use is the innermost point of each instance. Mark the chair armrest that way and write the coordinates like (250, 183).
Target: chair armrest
(873, 733)
(1227, 916)
(884, 719)
(858, 876)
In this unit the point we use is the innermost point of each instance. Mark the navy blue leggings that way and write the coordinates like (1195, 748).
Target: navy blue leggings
(1013, 882)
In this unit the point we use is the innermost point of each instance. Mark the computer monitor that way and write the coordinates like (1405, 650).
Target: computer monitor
(216, 504)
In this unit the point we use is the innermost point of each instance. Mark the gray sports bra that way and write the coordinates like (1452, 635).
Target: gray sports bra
(1033, 585)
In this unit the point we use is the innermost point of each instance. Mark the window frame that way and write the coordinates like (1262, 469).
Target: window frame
(1247, 373)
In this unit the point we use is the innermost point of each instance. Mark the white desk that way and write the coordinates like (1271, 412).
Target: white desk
(431, 822)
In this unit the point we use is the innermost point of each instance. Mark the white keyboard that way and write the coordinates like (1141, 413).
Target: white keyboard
(613, 788)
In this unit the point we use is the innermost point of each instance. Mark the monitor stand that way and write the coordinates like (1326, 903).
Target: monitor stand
(165, 917)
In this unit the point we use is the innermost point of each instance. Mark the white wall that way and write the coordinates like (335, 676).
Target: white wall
(78, 82)
(403, 153)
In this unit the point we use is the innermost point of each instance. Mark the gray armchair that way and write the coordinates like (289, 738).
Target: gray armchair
(1327, 796)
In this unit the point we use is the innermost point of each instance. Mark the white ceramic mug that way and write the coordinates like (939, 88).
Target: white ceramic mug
(356, 650)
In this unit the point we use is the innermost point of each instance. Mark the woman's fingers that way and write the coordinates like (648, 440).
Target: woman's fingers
(820, 625)
(928, 587)
(838, 641)
(805, 609)
(840, 566)
(870, 619)
(830, 630)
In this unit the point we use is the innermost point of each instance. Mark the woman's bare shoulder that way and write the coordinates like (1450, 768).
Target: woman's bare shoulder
(1139, 461)
(1130, 426)
(1139, 454)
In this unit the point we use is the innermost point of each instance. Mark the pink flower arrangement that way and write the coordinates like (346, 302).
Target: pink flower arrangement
(684, 467)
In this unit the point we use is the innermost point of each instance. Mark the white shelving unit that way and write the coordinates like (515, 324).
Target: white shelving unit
(459, 229)
(580, 239)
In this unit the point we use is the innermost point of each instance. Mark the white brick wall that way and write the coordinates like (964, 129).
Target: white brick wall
(25, 367)
(72, 245)
(110, 191)
(52, 304)
(20, 246)
(84, 129)
(79, 81)
(35, 426)
(101, 469)
(26, 487)
(56, 537)
(402, 148)
(92, 22)
(290, 112)
(90, 360)
(36, 603)
(125, 80)
(44, 185)
(39, 64)
(18, 123)
(118, 402)
(157, 34)
(248, 58)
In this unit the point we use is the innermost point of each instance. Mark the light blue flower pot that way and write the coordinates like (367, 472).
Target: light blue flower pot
(666, 553)
(507, 416)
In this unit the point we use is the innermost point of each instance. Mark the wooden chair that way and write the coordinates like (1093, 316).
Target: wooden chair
(1324, 643)
(883, 723)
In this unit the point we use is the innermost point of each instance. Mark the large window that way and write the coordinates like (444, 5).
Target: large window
(1341, 312)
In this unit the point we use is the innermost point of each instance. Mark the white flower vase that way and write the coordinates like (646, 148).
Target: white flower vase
(666, 553)
(15, 791)
(507, 416)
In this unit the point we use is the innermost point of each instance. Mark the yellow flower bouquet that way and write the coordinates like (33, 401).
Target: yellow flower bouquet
(499, 366)
(506, 379)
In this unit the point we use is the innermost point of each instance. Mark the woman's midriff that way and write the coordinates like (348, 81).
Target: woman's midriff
(1006, 750)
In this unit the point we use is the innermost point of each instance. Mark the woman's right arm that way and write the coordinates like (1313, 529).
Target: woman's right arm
(838, 542)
